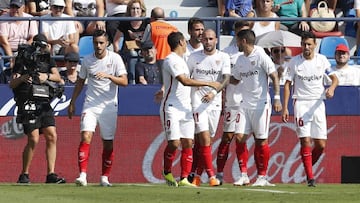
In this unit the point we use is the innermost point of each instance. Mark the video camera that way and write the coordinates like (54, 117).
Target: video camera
(34, 59)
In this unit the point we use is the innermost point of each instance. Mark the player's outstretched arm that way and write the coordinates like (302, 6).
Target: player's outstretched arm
(195, 83)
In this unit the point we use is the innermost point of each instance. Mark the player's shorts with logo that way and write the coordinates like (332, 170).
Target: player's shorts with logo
(310, 118)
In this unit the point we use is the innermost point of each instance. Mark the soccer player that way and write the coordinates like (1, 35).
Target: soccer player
(253, 69)
(195, 29)
(231, 105)
(175, 111)
(306, 72)
(105, 71)
(209, 64)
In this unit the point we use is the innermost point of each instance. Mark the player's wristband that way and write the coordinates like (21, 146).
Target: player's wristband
(214, 91)
(276, 97)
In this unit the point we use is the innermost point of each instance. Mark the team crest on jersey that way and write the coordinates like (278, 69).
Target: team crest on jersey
(253, 63)
(217, 62)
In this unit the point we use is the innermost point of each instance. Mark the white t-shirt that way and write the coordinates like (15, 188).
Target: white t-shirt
(101, 92)
(356, 4)
(208, 68)
(233, 92)
(349, 76)
(113, 8)
(260, 29)
(57, 29)
(176, 94)
(308, 76)
(254, 71)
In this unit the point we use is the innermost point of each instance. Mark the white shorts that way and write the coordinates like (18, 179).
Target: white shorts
(207, 120)
(310, 119)
(230, 116)
(177, 123)
(105, 117)
(254, 120)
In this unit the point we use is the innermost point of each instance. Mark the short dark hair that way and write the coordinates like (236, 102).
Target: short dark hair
(308, 35)
(241, 23)
(192, 21)
(247, 34)
(99, 33)
(174, 39)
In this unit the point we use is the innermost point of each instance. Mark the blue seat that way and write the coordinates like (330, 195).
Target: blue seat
(85, 46)
(350, 26)
(328, 46)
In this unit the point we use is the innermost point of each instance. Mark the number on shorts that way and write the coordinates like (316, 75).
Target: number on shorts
(237, 118)
(227, 116)
(83, 116)
(299, 122)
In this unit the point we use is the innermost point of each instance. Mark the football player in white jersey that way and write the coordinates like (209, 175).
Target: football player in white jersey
(175, 110)
(253, 70)
(195, 28)
(231, 105)
(306, 72)
(105, 71)
(207, 65)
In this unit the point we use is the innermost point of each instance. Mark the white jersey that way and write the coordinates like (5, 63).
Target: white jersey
(190, 50)
(349, 76)
(208, 68)
(101, 92)
(176, 94)
(233, 92)
(253, 71)
(308, 76)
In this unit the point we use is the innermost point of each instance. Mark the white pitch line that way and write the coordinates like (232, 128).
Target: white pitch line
(271, 191)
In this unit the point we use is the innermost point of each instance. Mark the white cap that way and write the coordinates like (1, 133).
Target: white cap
(57, 3)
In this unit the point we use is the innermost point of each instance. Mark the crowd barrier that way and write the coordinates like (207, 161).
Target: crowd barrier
(139, 141)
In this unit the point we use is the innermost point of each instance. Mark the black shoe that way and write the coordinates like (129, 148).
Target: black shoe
(54, 178)
(24, 179)
(311, 183)
(191, 177)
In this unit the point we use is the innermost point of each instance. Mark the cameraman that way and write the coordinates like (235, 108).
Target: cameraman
(35, 68)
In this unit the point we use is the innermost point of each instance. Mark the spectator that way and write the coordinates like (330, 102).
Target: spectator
(236, 8)
(195, 29)
(39, 7)
(357, 9)
(60, 34)
(278, 55)
(264, 10)
(4, 7)
(148, 71)
(115, 8)
(13, 33)
(86, 8)
(71, 74)
(133, 32)
(158, 31)
(5, 76)
(292, 9)
(347, 75)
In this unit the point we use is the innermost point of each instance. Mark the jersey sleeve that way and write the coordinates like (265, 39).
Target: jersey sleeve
(119, 65)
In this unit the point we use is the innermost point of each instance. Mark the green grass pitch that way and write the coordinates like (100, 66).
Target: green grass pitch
(281, 193)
